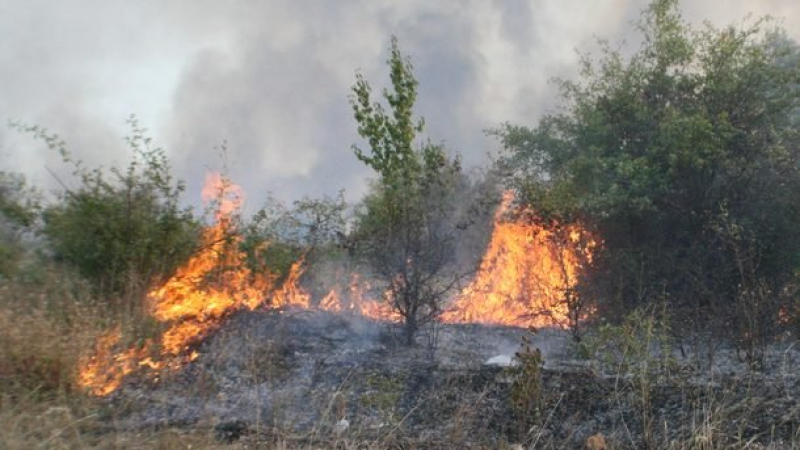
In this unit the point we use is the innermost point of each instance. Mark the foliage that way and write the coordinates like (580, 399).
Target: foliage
(655, 150)
(640, 345)
(19, 209)
(121, 229)
(277, 236)
(406, 227)
(382, 393)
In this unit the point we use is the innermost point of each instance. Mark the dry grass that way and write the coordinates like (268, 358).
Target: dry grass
(49, 321)
(46, 324)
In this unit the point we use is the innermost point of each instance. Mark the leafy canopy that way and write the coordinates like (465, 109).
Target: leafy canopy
(683, 157)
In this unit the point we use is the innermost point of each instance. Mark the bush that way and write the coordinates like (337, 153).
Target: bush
(121, 229)
(527, 395)
(655, 151)
(639, 354)
(278, 235)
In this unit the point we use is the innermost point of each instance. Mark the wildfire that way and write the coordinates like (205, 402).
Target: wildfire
(522, 280)
(211, 285)
(525, 275)
(192, 302)
(106, 369)
(355, 299)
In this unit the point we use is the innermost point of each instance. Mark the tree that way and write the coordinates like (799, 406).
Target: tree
(683, 159)
(406, 227)
(122, 229)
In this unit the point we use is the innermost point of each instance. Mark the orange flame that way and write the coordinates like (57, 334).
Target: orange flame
(354, 300)
(212, 284)
(105, 370)
(523, 270)
(524, 275)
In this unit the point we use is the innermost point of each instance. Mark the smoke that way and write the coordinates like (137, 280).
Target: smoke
(270, 80)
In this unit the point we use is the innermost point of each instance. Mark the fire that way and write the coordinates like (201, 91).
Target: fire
(106, 369)
(525, 274)
(355, 300)
(524, 270)
(211, 285)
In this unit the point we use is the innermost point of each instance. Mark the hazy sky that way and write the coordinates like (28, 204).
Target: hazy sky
(272, 78)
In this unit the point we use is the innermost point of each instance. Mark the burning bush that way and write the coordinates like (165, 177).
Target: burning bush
(528, 275)
(214, 283)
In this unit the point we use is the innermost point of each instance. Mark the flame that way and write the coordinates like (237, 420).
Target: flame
(211, 285)
(291, 294)
(525, 274)
(104, 371)
(354, 299)
(524, 270)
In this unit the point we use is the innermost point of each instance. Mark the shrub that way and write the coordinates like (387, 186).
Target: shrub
(653, 150)
(122, 229)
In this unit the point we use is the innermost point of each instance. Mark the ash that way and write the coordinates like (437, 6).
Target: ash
(315, 376)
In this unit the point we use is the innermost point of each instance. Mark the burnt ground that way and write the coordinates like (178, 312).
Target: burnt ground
(320, 378)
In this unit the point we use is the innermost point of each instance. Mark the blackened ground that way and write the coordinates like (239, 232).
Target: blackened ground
(316, 377)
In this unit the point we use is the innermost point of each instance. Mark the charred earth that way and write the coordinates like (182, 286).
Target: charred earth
(319, 378)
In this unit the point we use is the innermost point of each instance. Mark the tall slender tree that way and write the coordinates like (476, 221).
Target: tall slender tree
(406, 227)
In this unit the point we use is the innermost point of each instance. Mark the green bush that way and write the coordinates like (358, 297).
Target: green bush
(121, 229)
(654, 150)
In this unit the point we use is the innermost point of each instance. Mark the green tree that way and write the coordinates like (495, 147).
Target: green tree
(406, 227)
(683, 158)
(122, 229)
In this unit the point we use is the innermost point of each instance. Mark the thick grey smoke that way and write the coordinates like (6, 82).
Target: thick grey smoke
(271, 78)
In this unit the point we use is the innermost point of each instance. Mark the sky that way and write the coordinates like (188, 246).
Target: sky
(269, 80)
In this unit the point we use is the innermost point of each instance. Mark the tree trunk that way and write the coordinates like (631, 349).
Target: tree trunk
(410, 329)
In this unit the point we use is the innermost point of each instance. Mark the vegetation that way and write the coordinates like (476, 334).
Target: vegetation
(278, 235)
(526, 387)
(122, 229)
(681, 162)
(19, 208)
(683, 158)
(407, 227)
